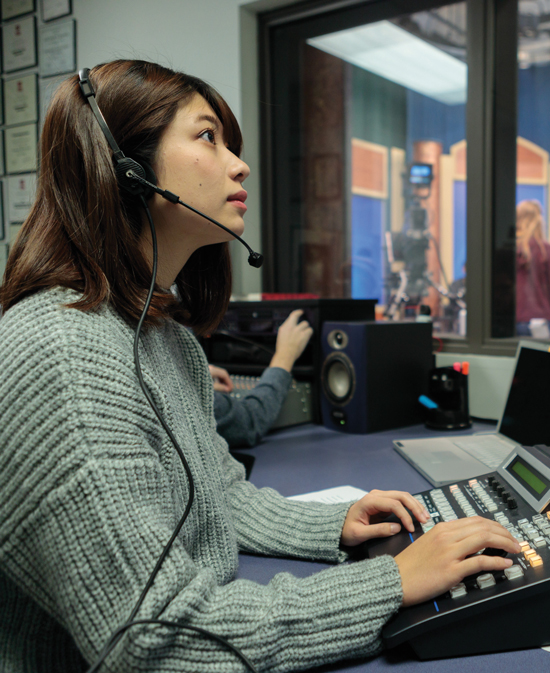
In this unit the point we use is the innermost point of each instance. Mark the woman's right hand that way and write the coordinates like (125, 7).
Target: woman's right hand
(442, 557)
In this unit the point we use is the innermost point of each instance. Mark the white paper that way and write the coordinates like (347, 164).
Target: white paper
(19, 44)
(332, 495)
(21, 193)
(57, 48)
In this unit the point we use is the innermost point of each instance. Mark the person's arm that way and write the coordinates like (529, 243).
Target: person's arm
(92, 497)
(244, 421)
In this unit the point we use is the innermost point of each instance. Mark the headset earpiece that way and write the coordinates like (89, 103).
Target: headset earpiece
(142, 169)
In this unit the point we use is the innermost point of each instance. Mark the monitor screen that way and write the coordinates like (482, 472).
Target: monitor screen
(420, 174)
(526, 418)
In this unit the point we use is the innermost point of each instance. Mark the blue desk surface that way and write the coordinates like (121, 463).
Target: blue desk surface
(309, 458)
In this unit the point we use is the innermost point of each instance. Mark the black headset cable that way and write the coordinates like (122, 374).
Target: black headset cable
(132, 621)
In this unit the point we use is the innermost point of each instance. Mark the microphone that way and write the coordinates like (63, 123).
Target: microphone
(255, 259)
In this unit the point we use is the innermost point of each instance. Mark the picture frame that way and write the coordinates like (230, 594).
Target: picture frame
(21, 151)
(55, 9)
(19, 44)
(21, 99)
(21, 193)
(58, 48)
(11, 9)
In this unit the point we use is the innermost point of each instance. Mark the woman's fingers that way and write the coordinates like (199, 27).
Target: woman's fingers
(407, 500)
(446, 554)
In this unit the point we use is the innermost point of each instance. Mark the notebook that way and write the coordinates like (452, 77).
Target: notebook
(525, 420)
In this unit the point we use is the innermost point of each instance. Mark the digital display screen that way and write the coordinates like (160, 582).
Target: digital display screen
(532, 480)
(420, 174)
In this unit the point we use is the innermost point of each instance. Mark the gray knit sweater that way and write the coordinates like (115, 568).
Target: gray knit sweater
(91, 489)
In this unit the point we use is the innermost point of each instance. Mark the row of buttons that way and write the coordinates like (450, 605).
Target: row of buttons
(486, 581)
(462, 501)
(485, 498)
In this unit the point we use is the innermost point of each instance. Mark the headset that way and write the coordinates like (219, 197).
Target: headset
(139, 180)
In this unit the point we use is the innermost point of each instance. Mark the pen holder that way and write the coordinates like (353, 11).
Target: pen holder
(448, 388)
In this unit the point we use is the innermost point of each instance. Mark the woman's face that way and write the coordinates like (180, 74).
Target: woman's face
(194, 163)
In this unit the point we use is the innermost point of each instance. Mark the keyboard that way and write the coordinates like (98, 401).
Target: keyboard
(488, 611)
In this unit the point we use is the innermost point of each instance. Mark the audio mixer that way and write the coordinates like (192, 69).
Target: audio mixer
(490, 611)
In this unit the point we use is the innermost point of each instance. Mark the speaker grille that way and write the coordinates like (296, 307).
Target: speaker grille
(338, 378)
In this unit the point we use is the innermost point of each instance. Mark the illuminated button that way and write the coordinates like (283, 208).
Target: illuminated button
(454, 487)
(473, 482)
(485, 581)
(524, 545)
(513, 572)
(548, 513)
(458, 591)
(529, 552)
(535, 561)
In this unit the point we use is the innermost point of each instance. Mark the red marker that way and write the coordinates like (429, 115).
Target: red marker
(465, 368)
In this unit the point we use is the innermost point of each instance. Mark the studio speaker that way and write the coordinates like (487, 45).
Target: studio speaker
(373, 374)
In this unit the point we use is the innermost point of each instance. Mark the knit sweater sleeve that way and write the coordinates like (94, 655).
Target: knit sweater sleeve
(244, 421)
(87, 503)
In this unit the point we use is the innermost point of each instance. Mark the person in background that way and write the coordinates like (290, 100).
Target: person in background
(244, 421)
(532, 267)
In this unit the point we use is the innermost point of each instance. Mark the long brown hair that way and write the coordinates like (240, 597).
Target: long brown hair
(82, 232)
(528, 228)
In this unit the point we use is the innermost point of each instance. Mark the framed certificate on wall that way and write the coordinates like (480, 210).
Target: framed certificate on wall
(55, 9)
(47, 89)
(21, 148)
(19, 44)
(21, 193)
(13, 8)
(21, 100)
(58, 48)
(2, 164)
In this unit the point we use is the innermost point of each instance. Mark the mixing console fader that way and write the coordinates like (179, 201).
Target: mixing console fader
(492, 611)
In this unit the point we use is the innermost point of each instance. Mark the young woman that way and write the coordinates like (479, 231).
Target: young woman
(91, 486)
(532, 267)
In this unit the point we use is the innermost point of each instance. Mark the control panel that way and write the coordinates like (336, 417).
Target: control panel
(492, 611)
(297, 407)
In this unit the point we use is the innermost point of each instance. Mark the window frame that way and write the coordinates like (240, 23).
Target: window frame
(491, 123)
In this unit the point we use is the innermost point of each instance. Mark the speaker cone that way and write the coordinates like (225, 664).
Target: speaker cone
(338, 378)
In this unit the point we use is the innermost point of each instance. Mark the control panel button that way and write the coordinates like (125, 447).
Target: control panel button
(458, 590)
(485, 581)
(513, 572)
(535, 561)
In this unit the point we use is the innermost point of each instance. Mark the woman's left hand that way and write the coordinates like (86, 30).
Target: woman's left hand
(365, 518)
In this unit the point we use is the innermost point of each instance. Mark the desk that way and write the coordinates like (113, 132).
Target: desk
(310, 458)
